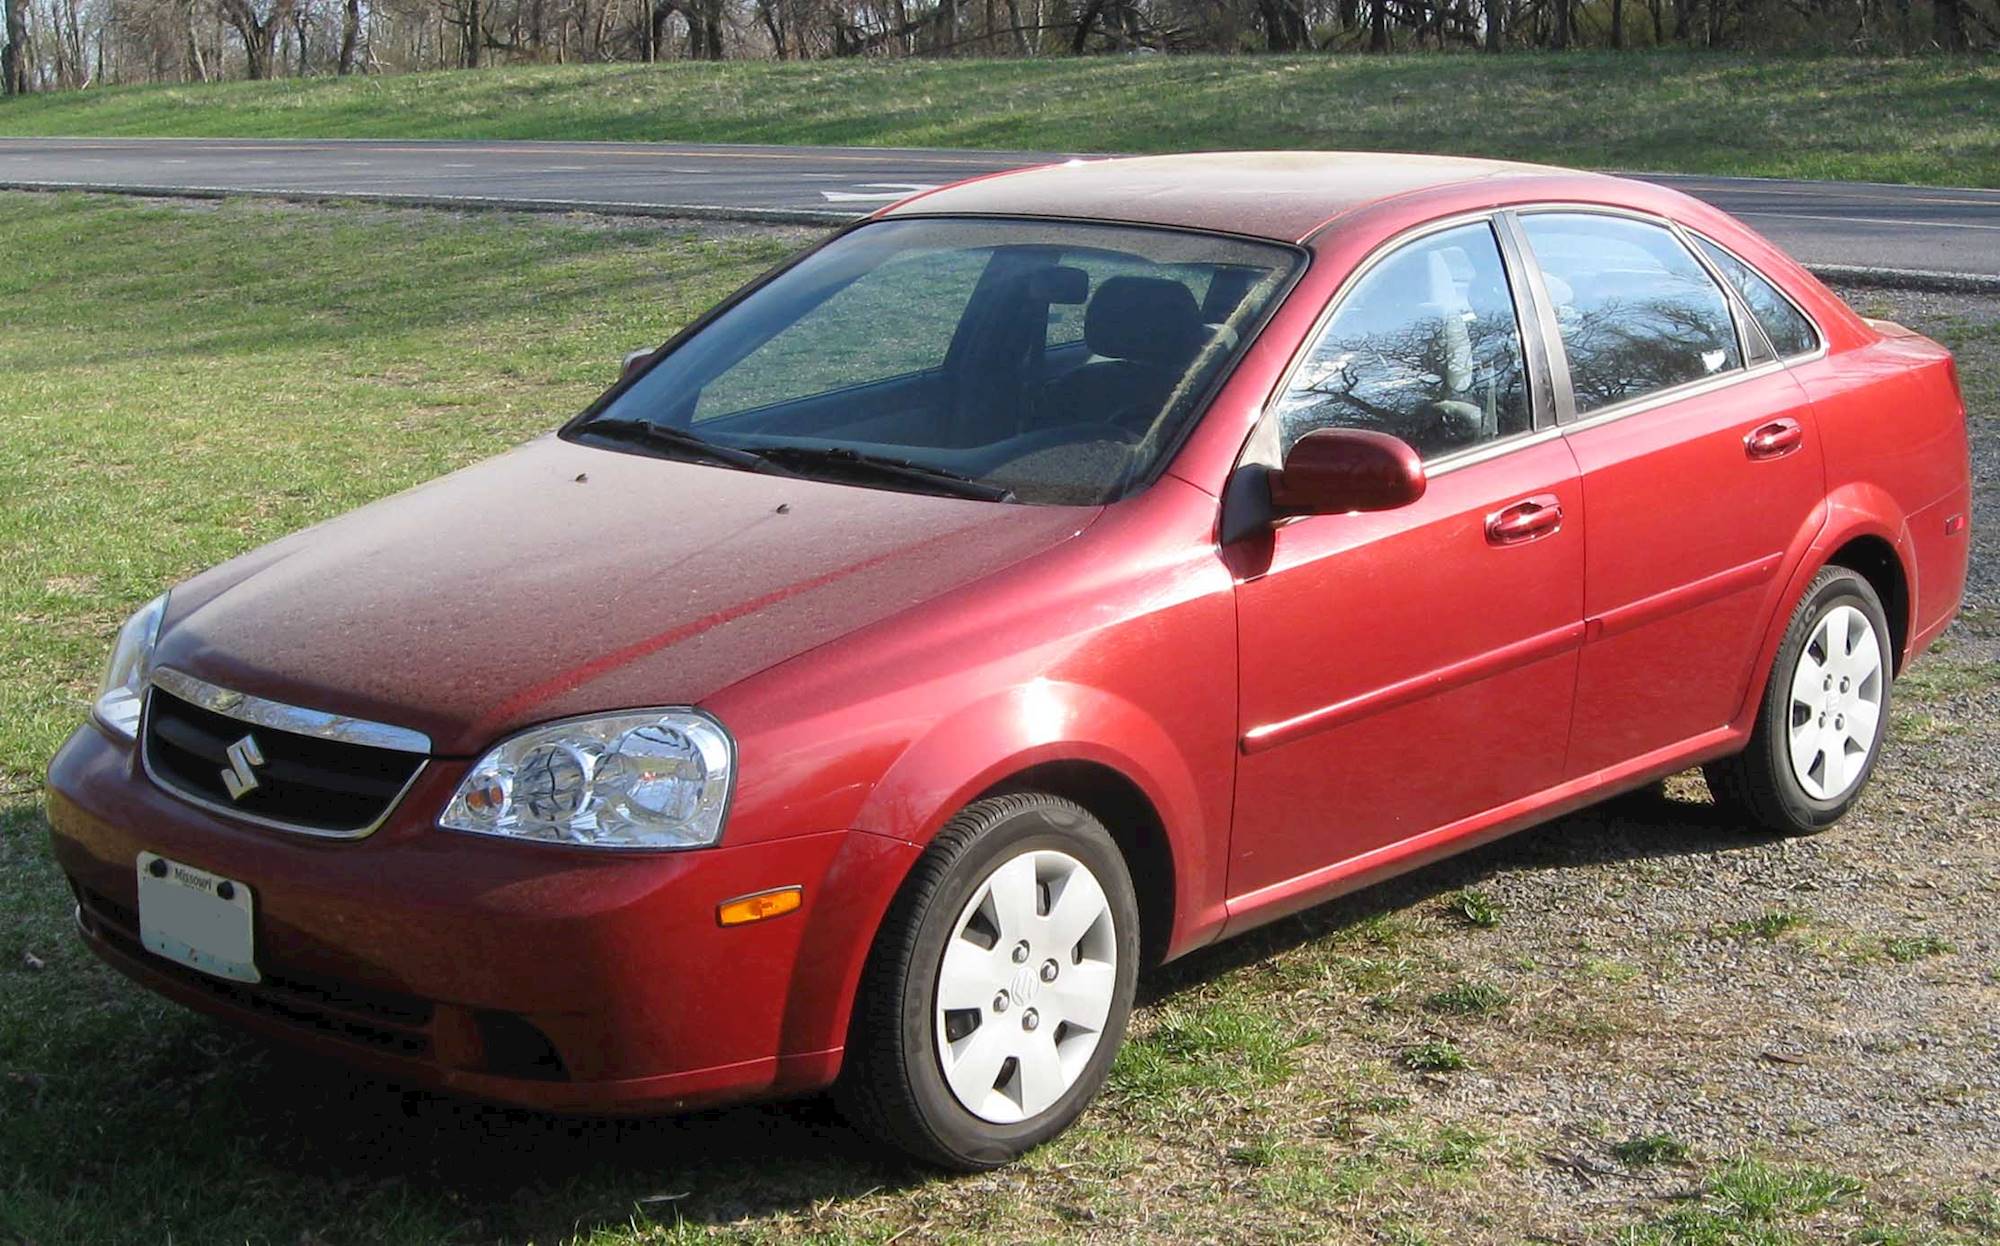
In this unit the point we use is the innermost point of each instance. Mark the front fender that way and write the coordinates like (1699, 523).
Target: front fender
(983, 744)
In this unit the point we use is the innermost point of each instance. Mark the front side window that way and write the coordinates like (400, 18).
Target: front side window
(1637, 312)
(1426, 347)
(1787, 327)
(1035, 361)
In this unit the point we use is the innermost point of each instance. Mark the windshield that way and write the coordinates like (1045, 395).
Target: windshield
(1044, 362)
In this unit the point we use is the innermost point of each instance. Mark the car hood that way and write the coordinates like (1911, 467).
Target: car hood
(561, 579)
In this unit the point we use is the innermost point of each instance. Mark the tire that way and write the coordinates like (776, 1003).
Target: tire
(1776, 787)
(1047, 1053)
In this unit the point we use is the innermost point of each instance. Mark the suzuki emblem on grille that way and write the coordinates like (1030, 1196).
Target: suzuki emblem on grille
(241, 777)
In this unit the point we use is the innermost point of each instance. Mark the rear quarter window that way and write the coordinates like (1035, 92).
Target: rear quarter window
(1788, 329)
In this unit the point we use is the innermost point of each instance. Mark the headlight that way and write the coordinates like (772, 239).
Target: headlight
(647, 779)
(125, 676)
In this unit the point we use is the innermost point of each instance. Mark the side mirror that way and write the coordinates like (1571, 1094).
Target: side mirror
(633, 362)
(1331, 471)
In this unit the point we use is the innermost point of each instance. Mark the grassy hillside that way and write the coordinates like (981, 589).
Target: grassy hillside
(1933, 120)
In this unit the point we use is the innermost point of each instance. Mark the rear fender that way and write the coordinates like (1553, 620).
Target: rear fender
(1852, 511)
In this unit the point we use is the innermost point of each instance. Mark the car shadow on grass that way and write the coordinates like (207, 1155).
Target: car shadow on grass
(332, 1154)
(430, 1167)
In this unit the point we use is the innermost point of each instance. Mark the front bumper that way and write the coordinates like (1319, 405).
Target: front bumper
(558, 978)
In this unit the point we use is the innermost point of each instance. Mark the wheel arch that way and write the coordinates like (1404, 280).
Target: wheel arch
(1862, 523)
(1098, 749)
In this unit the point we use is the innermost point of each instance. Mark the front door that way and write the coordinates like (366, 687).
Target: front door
(1407, 669)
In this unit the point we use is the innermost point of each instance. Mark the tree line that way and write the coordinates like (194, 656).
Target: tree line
(75, 44)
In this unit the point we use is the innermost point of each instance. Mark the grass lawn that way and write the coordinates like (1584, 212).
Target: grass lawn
(1565, 1033)
(1931, 120)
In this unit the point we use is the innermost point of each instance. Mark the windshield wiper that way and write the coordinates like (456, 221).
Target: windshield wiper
(667, 437)
(850, 462)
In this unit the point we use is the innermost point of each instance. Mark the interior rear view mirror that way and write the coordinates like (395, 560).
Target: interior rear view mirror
(1059, 283)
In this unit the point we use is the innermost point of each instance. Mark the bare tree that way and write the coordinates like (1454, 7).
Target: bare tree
(1949, 17)
(257, 23)
(63, 44)
(14, 60)
(350, 37)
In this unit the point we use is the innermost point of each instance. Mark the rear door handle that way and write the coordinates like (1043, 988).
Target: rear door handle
(1525, 520)
(1774, 440)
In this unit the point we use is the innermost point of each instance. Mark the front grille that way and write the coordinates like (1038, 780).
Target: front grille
(326, 786)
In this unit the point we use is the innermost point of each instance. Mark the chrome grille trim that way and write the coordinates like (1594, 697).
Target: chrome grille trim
(281, 717)
(277, 716)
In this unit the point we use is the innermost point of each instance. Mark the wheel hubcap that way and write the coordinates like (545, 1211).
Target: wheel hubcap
(1836, 703)
(1037, 937)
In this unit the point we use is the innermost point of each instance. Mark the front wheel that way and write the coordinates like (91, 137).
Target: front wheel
(1825, 710)
(998, 990)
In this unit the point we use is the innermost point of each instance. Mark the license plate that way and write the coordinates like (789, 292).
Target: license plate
(199, 919)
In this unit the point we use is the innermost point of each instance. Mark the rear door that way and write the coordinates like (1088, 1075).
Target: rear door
(1404, 670)
(1699, 464)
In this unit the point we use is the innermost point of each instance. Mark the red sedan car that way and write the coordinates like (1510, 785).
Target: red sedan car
(1052, 575)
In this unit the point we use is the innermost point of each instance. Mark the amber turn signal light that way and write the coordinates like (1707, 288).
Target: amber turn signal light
(760, 905)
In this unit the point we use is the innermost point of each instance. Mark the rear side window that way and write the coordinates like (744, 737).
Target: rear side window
(1638, 312)
(1787, 327)
(1425, 347)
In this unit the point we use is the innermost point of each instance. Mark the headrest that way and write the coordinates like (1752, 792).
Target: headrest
(1153, 319)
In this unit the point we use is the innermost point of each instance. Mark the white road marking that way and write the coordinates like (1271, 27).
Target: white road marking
(1871, 220)
(879, 192)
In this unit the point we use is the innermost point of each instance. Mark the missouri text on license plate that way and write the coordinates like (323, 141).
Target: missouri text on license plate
(199, 919)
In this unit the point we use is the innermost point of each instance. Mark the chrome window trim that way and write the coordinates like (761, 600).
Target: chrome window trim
(1819, 332)
(1530, 302)
(258, 712)
(1562, 395)
(1541, 410)
(1678, 393)
(281, 717)
(1472, 456)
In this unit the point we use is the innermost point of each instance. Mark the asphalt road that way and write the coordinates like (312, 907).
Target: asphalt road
(1821, 223)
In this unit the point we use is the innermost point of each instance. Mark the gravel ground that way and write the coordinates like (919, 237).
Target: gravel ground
(1866, 1038)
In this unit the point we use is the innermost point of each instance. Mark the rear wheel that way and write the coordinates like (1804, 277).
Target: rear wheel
(1825, 709)
(999, 987)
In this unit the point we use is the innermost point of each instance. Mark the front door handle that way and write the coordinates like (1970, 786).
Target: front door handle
(1525, 520)
(1774, 440)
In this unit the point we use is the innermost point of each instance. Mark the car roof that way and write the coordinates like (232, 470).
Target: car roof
(1283, 195)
